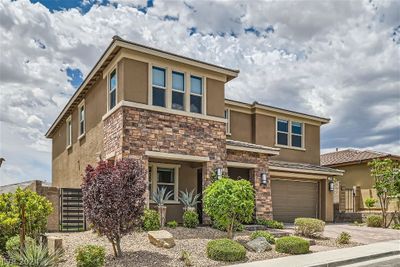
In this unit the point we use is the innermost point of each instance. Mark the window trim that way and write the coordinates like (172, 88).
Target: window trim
(178, 91)
(200, 95)
(227, 115)
(80, 106)
(289, 133)
(68, 132)
(108, 88)
(155, 166)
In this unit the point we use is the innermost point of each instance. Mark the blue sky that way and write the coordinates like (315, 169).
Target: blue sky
(337, 59)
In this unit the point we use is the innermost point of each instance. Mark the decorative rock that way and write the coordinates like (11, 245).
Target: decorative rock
(162, 238)
(259, 244)
(54, 244)
(311, 241)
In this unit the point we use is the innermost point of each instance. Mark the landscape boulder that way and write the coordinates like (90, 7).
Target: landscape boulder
(161, 238)
(259, 244)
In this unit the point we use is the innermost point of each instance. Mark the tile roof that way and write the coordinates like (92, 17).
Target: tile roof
(302, 166)
(11, 188)
(351, 156)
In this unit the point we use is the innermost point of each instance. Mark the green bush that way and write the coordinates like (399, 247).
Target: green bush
(90, 256)
(374, 221)
(292, 245)
(270, 237)
(35, 256)
(4, 263)
(151, 220)
(396, 226)
(370, 202)
(14, 244)
(309, 227)
(190, 219)
(225, 250)
(172, 224)
(270, 223)
(237, 227)
(343, 238)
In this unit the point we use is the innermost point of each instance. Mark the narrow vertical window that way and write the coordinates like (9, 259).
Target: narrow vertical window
(159, 86)
(196, 94)
(228, 120)
(297, 133)
(69, 132)
(166, 178)
(113, 89)
(178, 90)
(82, 120)
(283, 132)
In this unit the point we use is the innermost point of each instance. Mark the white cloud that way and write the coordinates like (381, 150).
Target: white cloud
(331, 58)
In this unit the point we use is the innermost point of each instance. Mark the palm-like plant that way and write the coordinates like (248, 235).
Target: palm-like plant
(189, 199)
(35, 256)
(161, 196)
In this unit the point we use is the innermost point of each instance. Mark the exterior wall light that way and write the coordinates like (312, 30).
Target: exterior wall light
(330, 184)
(264, 180)
(219, 173)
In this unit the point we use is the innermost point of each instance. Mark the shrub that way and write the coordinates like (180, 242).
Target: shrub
(292, 245)
(396, 226)
(374, 221)
(229, 202)
(151, 220)
(225, 250)
(190, 219)
(14, 243)
(35, 256)
(4, 263)
(343, 238)
(269, 237)
(172, 224)
(309, 227)
(113, 198)
(90, 256)
(270, 223)
(237, 227)
(370, 202)
(185, 257)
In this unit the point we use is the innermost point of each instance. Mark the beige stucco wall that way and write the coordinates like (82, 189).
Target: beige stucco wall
(241, 126)
(135, 81)
(356, 175)
(215, 98)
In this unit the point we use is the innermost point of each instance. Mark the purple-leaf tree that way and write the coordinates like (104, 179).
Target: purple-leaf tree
(113, 198)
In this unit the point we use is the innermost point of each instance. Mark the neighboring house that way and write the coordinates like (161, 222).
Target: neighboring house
(356, 184)
(170, 112)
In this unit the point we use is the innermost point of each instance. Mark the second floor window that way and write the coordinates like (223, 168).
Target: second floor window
(178, 90)
(112, 97)
(297, 132)
(159, 86)
(196, 94)
(283, 132)
(81, 120)
(289, 133)
(69, 132)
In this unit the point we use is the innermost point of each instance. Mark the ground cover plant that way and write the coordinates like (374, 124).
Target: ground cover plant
(90, 256)
(292, 245)
(225, 250)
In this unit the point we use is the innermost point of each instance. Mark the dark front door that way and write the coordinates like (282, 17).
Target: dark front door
(200, 191)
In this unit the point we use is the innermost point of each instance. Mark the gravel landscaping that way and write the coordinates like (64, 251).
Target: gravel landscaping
(137, 250)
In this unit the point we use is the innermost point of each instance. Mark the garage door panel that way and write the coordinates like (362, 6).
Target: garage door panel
(292, 199)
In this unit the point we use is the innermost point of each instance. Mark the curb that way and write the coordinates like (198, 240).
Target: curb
(357, 260)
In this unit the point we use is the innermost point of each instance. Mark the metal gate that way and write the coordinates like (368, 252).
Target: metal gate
(349, 200)
(72, 218)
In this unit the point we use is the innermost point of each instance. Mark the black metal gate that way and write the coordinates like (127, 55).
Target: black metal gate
(72, 218)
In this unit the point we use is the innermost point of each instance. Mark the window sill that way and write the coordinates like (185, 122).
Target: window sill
(81, 136)
(228, 134)
(290, 147)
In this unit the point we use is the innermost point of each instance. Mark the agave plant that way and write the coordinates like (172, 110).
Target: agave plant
(189, 199)
(161, 196)
(35, 256)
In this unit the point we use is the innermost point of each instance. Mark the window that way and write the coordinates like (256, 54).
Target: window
(82, 119)
(178, 90)
(164, 175)
(228, 120)
(159, 86)
(112, 95)
(297, 134)
(196, 92)
(283, 132)
(69, 132)
(166, 178)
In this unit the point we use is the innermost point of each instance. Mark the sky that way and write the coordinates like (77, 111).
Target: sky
(336, 59)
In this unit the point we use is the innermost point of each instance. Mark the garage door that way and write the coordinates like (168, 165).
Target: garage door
(292, 199)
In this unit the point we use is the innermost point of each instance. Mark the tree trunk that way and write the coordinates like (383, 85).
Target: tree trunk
(162, 210)
(113, 246)
(118, 243)
(22, 229)
(230, 229)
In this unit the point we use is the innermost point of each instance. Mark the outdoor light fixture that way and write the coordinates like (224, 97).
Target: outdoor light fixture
(330, 184)
(219, 173)
(264, 178)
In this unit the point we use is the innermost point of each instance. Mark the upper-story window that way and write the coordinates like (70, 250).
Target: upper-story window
(82, 119)
(289, 133)
(112, 95)
(178, 90)
(196, 94)
(69, 132)
(159, 86)
(228, 120)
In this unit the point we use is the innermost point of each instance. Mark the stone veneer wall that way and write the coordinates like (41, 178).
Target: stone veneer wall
(263, 199)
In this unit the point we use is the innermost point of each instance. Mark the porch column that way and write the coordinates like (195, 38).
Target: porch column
(263, 200)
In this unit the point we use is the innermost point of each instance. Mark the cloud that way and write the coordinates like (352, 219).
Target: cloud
(338, 59)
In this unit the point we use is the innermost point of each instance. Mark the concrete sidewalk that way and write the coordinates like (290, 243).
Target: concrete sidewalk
(336, 257)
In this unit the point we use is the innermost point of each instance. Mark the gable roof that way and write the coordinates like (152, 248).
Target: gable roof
(352, 156)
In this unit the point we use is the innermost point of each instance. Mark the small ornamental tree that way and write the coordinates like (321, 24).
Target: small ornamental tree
(229, 202)
(386, 174)
(113, 198)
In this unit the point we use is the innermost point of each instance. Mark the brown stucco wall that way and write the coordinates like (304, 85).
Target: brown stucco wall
(215, 98)
(356, 175)
(135, 81)
(241, 126)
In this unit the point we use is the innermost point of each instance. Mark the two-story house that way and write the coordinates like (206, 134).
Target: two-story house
(170, 112)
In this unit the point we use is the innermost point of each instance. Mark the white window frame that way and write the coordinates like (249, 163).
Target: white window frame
(166, 75)
(80, 120)
(178, 91)
(108, 88)
(154, 166)
(227, 115)
(289, 133)
(69, 132)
